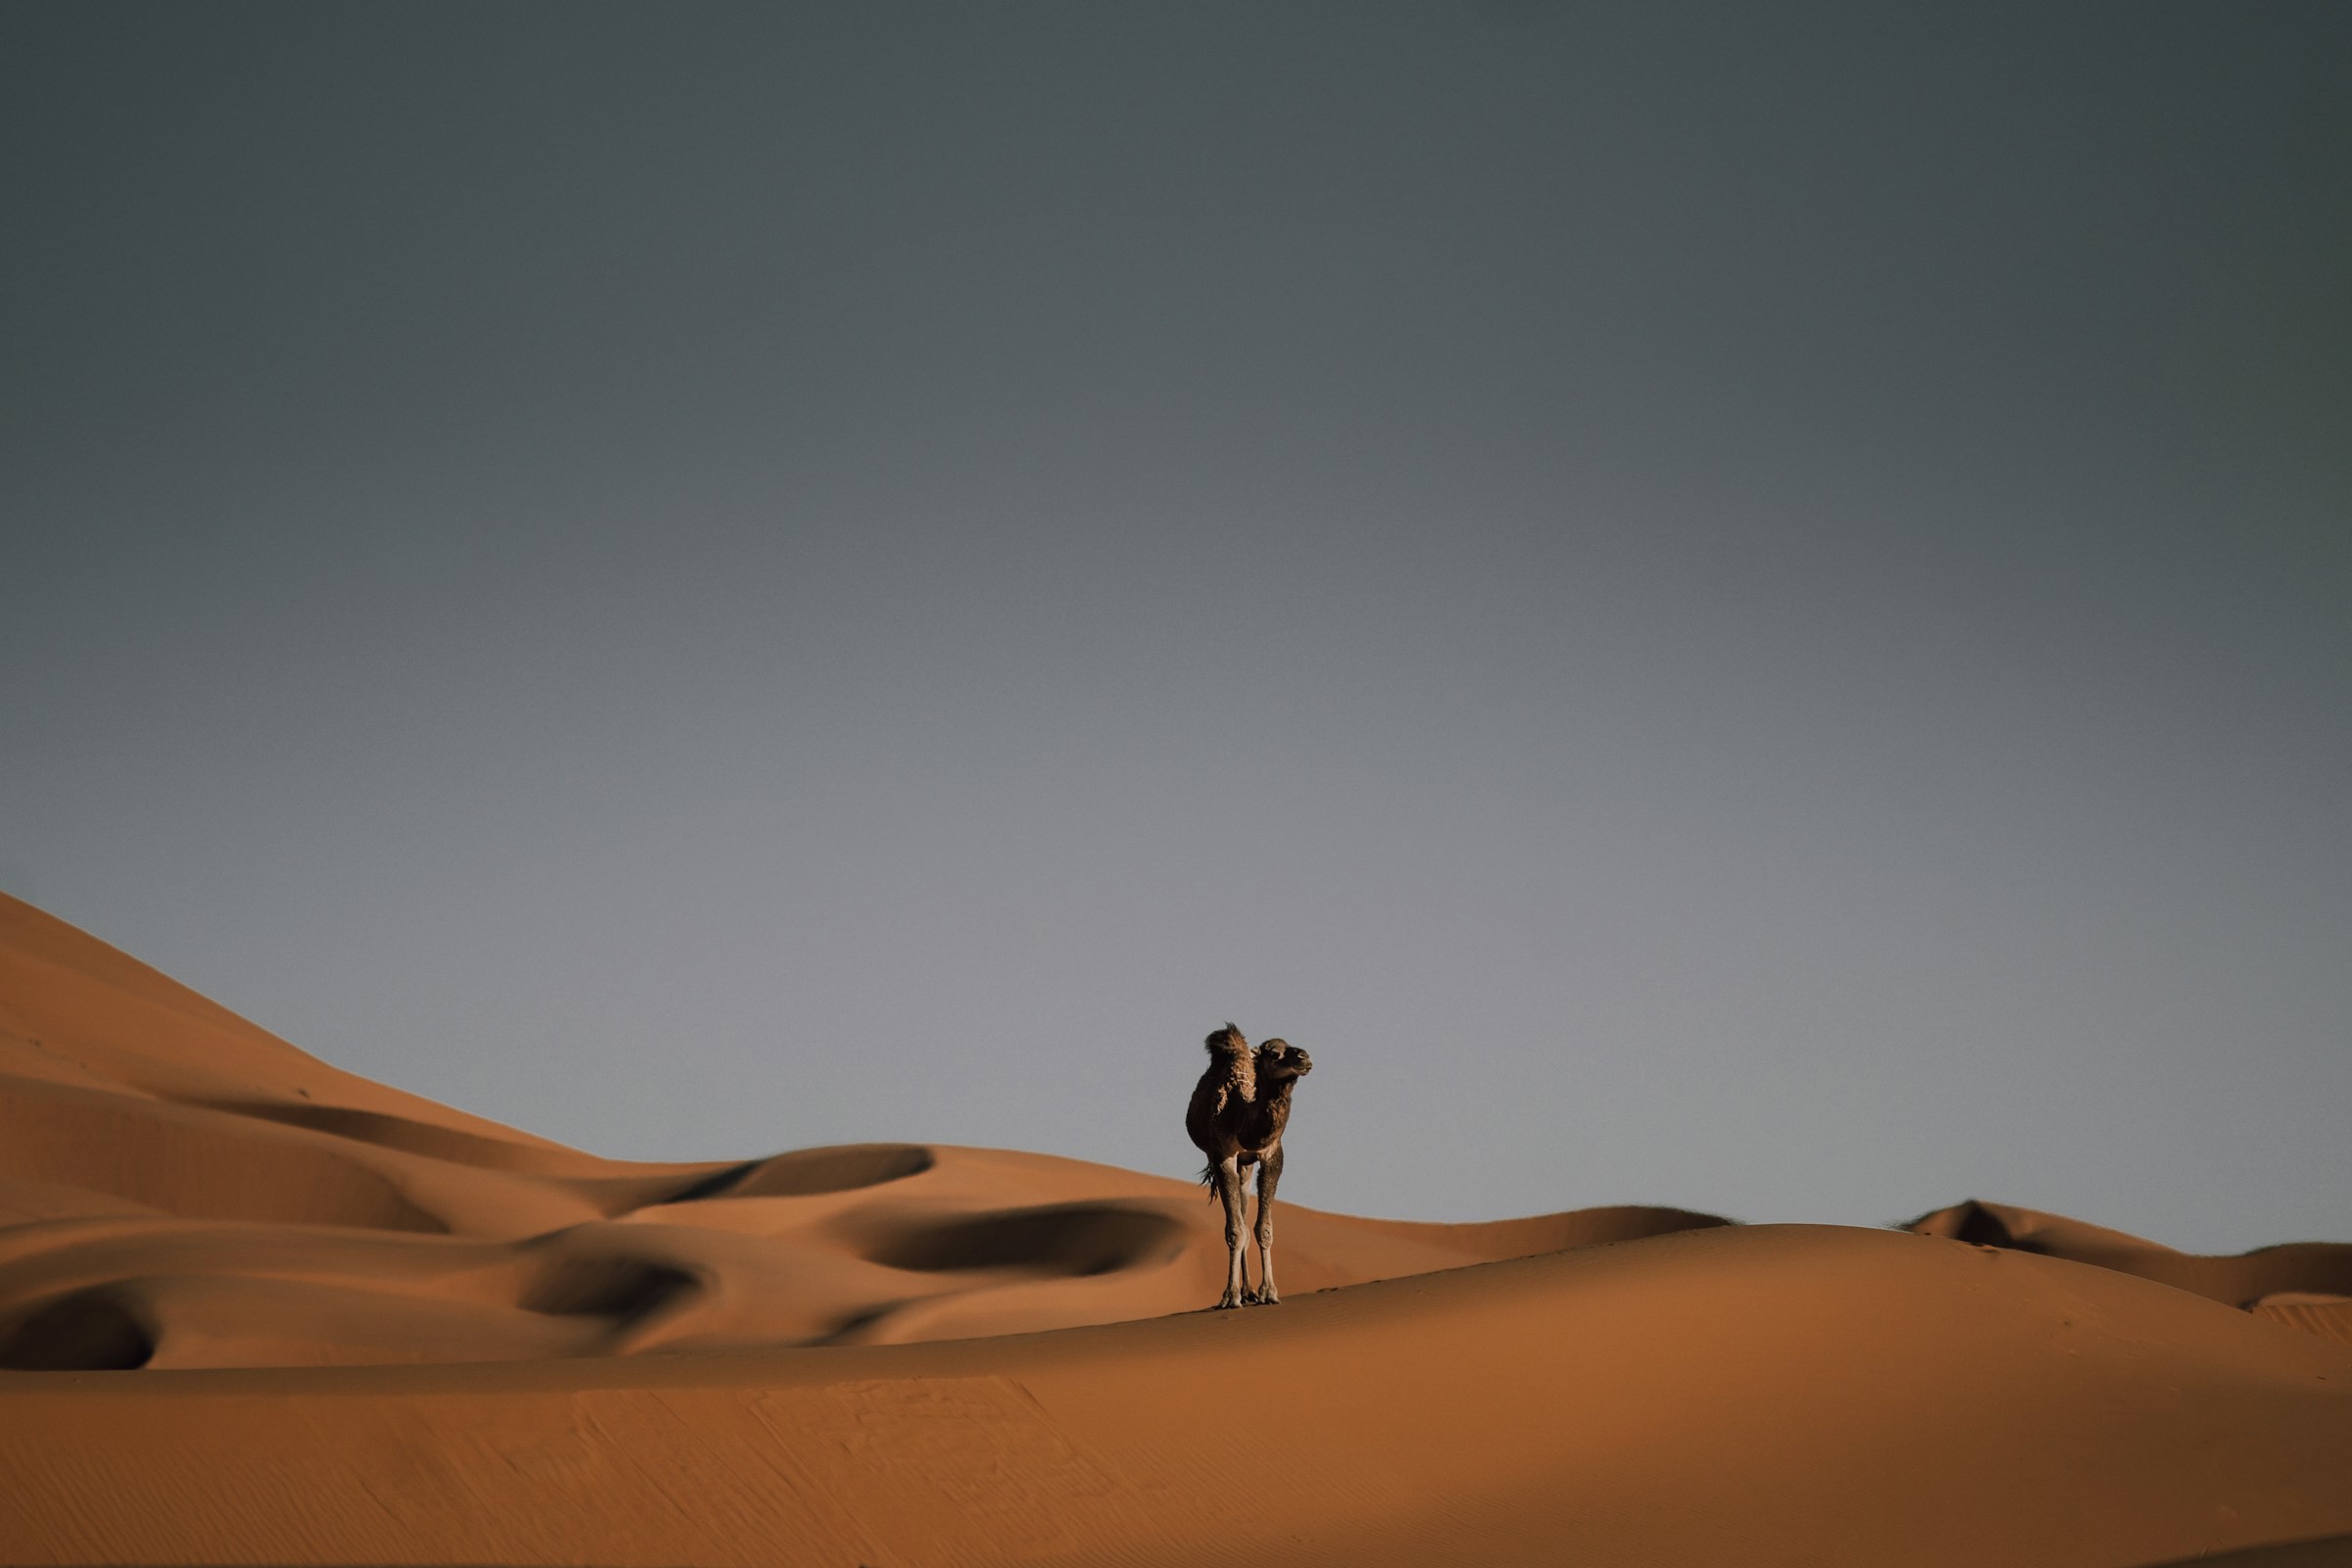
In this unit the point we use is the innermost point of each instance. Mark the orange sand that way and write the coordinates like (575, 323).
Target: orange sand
(370, 1329)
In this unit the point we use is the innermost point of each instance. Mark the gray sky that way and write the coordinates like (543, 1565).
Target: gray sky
(1747, 606)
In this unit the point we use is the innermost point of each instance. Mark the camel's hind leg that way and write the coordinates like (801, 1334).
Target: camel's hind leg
(1269, 1172)
(1229, 1193)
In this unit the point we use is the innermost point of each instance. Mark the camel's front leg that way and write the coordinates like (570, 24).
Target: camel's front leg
(1229, 1192)
(1270, 1171)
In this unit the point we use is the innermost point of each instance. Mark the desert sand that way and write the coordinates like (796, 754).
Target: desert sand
(257, 1310)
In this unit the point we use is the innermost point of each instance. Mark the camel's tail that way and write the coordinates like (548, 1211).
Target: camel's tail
(1207, 1178)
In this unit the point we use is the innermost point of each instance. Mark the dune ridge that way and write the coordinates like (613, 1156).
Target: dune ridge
(361, 1327)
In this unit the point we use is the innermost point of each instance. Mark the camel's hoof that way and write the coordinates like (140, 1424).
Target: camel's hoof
(1226, 1306)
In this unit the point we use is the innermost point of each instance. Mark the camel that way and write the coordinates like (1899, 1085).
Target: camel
(1237, 1116)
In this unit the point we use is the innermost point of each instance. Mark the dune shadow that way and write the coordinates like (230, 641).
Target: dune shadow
(1976, 1224)
(95, 1330)
(621, 1288)
(1069, 1240)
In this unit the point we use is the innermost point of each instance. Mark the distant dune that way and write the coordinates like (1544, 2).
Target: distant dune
(257, 1310)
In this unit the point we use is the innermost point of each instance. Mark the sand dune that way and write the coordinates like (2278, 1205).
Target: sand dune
(254, 1309)
(190, 1191)
(2307, 1285)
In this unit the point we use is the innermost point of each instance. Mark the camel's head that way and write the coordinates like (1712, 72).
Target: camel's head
(1227, 1042)
(1279, 1060)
